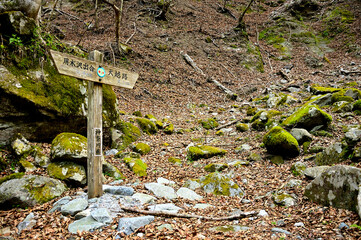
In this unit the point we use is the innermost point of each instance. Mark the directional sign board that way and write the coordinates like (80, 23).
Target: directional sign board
(93, 71)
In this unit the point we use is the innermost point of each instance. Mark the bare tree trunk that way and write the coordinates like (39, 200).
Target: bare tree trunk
(241, 24)
(118, 17)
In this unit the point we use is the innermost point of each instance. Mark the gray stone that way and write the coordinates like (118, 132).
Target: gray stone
(57, 205)
(323, 100)
(343, 225)
(166, 207)
(144, 198)
(21, 191)
(110, 202)
(331, 155)
(129, 225)
(202, 206)
(84, 224)
(112, 171)
(280, 230)
(293, 183)
(301, 135)
(262, 213)
(118, 190)
(165, 226)
(354, 93)
(313, 172)
(353, 135)
(82, 214)
(165, 181)
(189, 194)
(28, 223)
(299, 224)
(298, 168)
(280, 223)
(74, 206)
(159, 190)
(338, 186)
(111, 152)
(40, 159)
(243, 148)
(101, 215)
(26, 166)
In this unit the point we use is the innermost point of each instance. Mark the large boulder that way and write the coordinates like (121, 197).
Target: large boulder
(308, 117)
(29, 191)
(30, 8)
(41, 104)
(69, 146)
(124, 134)
(338, 186)
(280, 142)
(136, 165)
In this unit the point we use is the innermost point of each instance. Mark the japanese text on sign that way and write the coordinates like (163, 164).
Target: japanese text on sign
(98, 142)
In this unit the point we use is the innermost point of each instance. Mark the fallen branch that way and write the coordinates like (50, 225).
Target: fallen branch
(169, 214)
(190, 61)
(131, 36)
(227, 124)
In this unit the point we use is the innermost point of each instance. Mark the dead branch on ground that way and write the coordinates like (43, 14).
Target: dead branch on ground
(190, 61)
(169, 214)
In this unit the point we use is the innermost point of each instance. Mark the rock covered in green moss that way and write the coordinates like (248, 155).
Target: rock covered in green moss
(53, 104)
(338, 186)
(280, 142)
(356, 107)
(141, 148)
(69, 172)
(219, 184)
(29, 191)
(308, 117)
(242, 127)
(137, 166)
(284, 199)
(216, 167)
(169, 129)
(175, 160)
(147, 126)
(320, 90)
(202, 151)
(342, 107)
(11, 176)
(254, 157)
(40, 159)
(69, 146)
(264, 119)
(298, 168)
(26, 166)
(123, 135)
(331, 155)
(21, 145)
(112, 171)
(209, 123)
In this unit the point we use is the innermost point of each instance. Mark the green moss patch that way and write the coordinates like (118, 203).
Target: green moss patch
(219, 184)
(202, 151)
(280, 142)
(141, 148)
(137, 166)
(130, 133)
(147, 126)
(209, 123)
(11, 176)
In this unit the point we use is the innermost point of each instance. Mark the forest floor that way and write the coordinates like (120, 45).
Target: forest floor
(170, 88)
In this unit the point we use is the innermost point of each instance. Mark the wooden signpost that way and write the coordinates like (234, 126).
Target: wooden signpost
(97, 74)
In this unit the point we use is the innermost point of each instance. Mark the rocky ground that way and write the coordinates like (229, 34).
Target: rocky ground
(170, 88)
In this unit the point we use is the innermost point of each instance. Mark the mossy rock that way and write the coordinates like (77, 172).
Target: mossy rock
(251, 111)
(175, 160)
(11, 176)
(341, 97)
(138, 114)
(342, 107)
(298, 168)
(242, 127)
(147, 126)
(356, 106)
(69, 146)
(197, 152)
(169, 129)
(71, 173)
(29, 191)
(26, 166)
(216, 167)
(264, 119)
(219, 133)
(137, 166)
(331, 155)
(210, 123)
(316, 89)
(141, 148)
(280, 142)
(219, 184)
(124, 134)
(112, 171)
(278, 160)
(308, 117)
(254, 157)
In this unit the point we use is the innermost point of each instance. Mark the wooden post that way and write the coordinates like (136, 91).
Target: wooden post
(94, 133)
